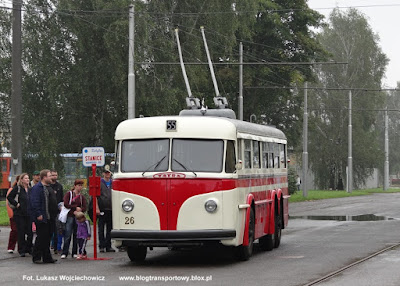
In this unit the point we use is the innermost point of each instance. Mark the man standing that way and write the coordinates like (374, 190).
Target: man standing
(57, 187)
(59, 193)
(35, 178)
(298, 183)
(104, 212)
(41, 206)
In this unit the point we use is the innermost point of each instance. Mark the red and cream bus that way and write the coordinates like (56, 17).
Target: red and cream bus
(5, 166)
(190, 180)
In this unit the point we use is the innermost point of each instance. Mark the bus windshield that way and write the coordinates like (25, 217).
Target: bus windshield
(197, 155)
(145, 155)
(188, 155)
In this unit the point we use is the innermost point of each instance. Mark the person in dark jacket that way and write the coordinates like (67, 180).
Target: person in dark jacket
(19, 198)
(59, 193)
(41, 209)
(76, 202)
(104, 212)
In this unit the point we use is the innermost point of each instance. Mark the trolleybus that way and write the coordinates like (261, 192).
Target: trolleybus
(191, 180)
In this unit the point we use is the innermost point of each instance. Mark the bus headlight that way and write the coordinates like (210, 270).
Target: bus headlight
(128, 206)
(210, 206)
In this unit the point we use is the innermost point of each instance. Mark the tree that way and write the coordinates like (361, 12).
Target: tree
(282, 31)
(5, 77)
(393, 103)
(348, 38)
(75, 61)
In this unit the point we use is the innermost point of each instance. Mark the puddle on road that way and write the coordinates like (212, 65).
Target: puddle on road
(365, 217)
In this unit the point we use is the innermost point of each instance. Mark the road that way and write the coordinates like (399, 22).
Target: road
(322, 237)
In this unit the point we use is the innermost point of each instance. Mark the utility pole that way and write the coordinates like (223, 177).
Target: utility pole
(16, 91)
(241, 81)
(386, 166)
(305, 145)
(350, 150)
(131, 75)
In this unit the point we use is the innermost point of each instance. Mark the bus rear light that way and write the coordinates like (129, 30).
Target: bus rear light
(127, 206)
(210, 206)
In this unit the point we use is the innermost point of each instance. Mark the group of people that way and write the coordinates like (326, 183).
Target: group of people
(36, 205)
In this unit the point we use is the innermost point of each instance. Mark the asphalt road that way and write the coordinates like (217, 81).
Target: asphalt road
(322, 236)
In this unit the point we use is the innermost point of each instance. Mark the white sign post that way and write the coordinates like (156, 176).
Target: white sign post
(93, 155)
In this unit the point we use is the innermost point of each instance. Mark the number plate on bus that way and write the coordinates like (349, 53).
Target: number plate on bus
(129, 220)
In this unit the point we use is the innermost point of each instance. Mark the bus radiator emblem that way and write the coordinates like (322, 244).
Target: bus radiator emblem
(169, 175)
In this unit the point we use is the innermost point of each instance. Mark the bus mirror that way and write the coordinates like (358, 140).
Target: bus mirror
(239, 165)
(112, 166)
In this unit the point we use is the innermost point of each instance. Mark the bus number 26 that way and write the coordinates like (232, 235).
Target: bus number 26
(129, 220)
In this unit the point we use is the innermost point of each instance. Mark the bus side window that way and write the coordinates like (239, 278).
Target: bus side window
(283, 155)
(256, 154)
(230, 160)
(247, 154)
(264, 155)
(271, 155)
(276, 155)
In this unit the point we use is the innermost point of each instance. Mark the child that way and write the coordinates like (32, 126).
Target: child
(60, 230)
(82, 233)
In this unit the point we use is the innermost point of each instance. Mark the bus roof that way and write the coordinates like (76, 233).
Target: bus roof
(195, 127)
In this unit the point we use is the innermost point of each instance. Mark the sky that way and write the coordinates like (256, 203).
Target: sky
(382, 16)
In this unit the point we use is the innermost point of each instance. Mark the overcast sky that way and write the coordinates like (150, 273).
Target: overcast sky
(383, 16)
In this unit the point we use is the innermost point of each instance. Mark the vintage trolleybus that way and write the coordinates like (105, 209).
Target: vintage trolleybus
(190, 180)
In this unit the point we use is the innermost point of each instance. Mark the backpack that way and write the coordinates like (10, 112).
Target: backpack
(15, 199)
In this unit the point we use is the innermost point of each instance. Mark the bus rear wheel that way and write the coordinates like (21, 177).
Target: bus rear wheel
(244, 253)
(137, 253)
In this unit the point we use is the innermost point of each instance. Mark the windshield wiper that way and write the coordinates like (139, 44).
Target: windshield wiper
(183, 166)
(155, 165)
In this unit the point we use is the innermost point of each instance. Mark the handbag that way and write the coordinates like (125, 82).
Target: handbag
(62, 216)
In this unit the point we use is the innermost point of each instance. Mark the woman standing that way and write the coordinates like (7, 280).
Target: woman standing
(18, 197)
(74, 201)
(12, 240)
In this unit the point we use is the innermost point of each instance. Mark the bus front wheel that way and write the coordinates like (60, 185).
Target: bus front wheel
(137, 253)
(244, 252)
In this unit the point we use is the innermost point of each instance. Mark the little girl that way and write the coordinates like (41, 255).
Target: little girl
(82, 234)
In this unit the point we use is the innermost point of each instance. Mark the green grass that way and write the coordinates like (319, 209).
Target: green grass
(4, 220)
(323, 194)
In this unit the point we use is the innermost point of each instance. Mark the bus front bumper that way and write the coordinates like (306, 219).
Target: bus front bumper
(169, 237)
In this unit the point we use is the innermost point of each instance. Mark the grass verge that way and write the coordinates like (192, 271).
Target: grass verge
(324, 194)
(4, 220)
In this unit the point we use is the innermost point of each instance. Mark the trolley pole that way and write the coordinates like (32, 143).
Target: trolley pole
(305, 140)
(350, 150)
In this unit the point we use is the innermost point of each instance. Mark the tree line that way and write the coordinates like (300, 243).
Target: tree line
(75, 63)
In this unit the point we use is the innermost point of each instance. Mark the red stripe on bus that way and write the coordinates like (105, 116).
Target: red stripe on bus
(169, 194)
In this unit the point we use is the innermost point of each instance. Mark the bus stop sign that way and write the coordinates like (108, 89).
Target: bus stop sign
(93, 155)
